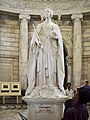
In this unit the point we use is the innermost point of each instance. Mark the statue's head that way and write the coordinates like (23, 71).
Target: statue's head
(49, 12)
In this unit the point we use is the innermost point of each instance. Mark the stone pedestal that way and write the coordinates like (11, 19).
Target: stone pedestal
(45, 103)
(44, 109)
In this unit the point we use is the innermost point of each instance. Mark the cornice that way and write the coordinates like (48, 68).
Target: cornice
(36, 7)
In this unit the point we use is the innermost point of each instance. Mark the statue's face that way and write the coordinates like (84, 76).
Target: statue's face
(47, 13)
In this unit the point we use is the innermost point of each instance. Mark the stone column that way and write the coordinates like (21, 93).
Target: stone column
(77, 50)
(59, 17)
(23, 49)
(42, 17)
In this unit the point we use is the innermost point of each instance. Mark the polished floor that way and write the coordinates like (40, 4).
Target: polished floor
(11, 112)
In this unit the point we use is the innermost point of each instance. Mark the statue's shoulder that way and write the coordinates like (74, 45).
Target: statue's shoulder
(55, 26)
(39, 26)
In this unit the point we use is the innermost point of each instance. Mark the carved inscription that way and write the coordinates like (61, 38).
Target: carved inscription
(45, 109)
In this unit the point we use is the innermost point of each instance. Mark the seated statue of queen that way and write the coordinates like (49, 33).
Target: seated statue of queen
(46, 59)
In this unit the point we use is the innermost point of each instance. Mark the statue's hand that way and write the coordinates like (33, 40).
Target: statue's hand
(54, 37)
(53, 34)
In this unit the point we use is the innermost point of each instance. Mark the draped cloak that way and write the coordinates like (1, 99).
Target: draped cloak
(46, 60)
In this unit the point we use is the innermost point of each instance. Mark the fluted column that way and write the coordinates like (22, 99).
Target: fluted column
(77, 50)
(23, 49)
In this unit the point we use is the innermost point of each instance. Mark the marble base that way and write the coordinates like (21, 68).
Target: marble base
(44, 109)
(45, 92)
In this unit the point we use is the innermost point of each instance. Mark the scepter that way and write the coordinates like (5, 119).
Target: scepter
(38, 38)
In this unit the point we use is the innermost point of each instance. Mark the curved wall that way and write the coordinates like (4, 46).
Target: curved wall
(10, 32)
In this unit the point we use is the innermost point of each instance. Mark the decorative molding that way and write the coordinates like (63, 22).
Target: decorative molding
(75, 16)
(24, 16)
(36, 7)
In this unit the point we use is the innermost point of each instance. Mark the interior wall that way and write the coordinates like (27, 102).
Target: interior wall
(85, 50)
(9, 48)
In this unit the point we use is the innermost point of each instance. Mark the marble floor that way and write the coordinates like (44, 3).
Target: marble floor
(11, 112)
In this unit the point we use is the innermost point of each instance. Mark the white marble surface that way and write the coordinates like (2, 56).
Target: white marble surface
(46, 58)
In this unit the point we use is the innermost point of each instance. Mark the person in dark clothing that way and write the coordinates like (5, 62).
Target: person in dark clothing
(79, 110)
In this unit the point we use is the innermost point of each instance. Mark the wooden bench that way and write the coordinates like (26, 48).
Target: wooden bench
(10, 89)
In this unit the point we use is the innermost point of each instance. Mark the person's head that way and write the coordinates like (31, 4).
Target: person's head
(86, 82)
(82, 95)
(68, 85)
(48, 13)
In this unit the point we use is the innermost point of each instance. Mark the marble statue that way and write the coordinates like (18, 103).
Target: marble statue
(46, 58)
